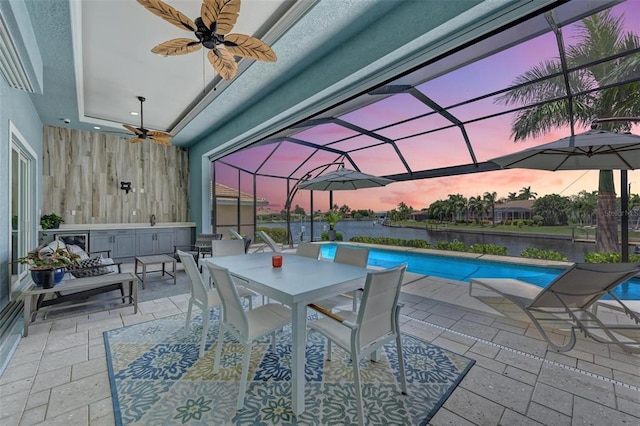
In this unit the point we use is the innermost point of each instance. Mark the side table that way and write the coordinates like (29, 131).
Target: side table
(158, 259)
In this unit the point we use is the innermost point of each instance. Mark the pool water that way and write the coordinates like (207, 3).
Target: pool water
(461, 269)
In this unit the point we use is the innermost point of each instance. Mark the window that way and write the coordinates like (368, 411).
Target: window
(22, 169)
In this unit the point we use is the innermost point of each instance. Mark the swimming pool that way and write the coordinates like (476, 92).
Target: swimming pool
(462, 269)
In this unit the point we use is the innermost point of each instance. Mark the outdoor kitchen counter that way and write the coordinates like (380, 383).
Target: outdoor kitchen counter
(100, 226)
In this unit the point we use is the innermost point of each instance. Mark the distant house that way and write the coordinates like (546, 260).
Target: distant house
(234, 209)
(419, 215)
(514, 210)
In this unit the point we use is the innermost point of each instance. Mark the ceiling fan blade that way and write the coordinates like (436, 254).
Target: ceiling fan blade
(136, 140)
(177, 46)
(169, 14)
(157, 133)
(132, 129)
(249, 47)
(223, 62)
(224, 13)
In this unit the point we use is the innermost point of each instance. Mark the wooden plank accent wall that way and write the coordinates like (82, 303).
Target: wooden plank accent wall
(82, 171)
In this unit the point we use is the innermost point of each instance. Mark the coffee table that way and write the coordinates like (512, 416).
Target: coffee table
(158, 259)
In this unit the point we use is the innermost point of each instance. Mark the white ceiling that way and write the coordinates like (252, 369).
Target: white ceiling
(112, 43)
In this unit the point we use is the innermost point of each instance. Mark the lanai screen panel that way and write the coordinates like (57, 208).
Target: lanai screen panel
(387, 111)
(452, 112)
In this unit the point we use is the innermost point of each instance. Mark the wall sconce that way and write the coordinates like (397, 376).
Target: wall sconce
(126, 186)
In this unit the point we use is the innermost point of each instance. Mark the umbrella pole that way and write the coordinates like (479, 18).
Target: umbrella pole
(624, 220)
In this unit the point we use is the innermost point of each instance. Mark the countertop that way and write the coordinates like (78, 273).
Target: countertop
(101, 226)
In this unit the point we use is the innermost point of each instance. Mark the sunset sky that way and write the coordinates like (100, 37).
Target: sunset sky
(490, 138)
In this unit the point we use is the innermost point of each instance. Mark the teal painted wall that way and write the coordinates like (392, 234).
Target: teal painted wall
(387, 27)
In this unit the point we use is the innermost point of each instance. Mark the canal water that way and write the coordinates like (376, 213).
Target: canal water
(575, 251)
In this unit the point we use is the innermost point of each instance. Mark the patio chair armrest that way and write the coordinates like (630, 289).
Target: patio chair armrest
(186, 247)
(327, 313)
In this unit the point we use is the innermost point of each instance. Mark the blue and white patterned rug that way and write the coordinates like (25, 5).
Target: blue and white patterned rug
(157, 379)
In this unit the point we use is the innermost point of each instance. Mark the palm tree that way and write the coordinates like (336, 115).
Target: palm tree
(527, 194)
(458, 203)
(598, 36)
(490, 198)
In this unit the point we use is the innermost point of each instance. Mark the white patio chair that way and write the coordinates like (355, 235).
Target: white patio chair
(246, 326)
(202, 296)
(308, 250)
(375, 324)
(230, 248)
(351, 256)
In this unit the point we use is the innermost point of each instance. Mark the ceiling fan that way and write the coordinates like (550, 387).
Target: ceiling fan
(212, 31)
(141, 133)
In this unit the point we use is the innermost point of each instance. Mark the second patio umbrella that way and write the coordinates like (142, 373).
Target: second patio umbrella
(592, 150)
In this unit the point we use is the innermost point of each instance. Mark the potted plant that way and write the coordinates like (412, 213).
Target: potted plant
(332, 217)
(50, 221)
(49, 269)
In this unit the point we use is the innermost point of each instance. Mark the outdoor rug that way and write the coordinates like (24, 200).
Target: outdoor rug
(157, 379)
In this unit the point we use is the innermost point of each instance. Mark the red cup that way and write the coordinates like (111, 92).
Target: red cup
(276, 261)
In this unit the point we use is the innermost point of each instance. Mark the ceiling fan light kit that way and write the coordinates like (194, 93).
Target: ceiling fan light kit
(211, 29)
(141, 134)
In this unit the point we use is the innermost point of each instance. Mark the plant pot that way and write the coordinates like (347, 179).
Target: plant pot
(47, 278)
(332, 234)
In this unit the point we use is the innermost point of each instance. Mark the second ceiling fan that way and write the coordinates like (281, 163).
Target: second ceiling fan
(142, 134)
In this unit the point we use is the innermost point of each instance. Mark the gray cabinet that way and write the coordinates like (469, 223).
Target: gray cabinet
(126, 244)
(184, 236)
(121, 242)
(154, 241)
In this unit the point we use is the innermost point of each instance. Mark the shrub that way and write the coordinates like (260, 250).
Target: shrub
(599, 257)
(507, 222)
(391, 241)
(488, 249)
(538, 220)
(536, 253)
(325, 236)
(451, 246)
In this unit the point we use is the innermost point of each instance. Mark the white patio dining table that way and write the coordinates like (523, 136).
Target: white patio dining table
(300, 281)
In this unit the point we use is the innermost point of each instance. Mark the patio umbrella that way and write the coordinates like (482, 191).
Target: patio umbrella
(592, 150)
(343, 180)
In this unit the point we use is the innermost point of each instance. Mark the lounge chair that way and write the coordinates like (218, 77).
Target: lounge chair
(568, 300)
(269, 242)
(247, 240)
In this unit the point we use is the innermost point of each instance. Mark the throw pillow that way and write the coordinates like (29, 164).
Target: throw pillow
(92, 264)
(109, 261)
(51, 247)
(72, 248)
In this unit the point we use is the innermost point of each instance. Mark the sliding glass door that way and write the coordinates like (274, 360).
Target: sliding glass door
(21, 208)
